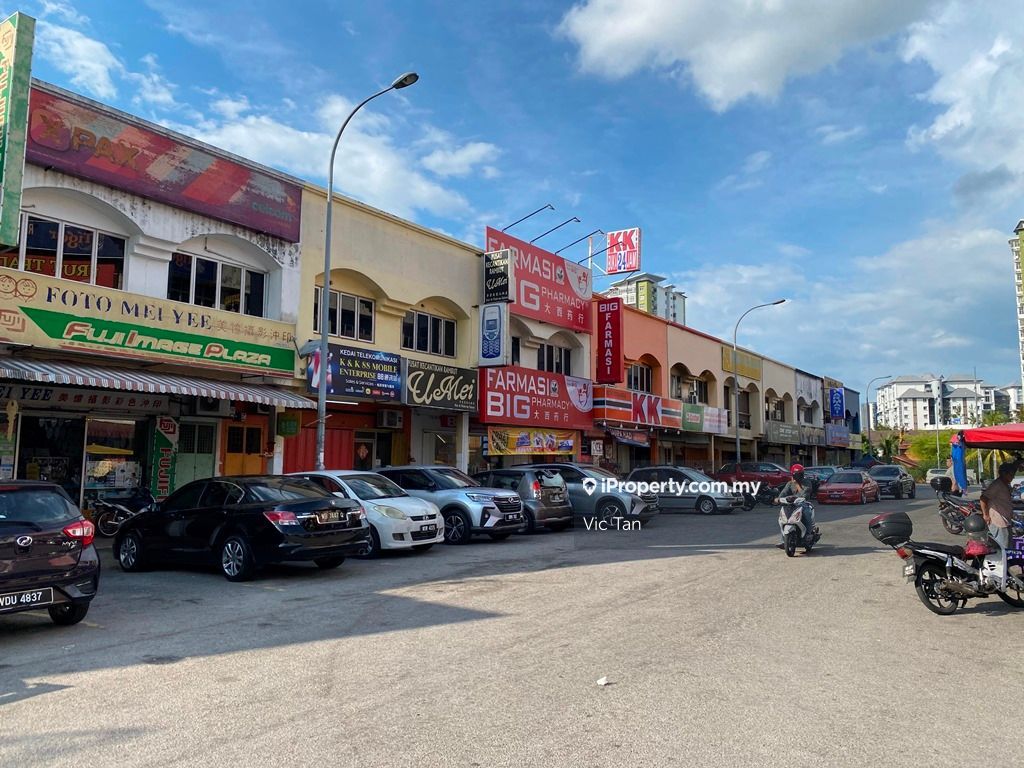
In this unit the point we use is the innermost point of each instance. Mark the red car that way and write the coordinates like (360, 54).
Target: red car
(849, 486)
(762, 472)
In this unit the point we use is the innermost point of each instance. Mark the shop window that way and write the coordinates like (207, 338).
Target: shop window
(208, 283)
(554, 359)
(58, 249)
(428, 333)
(699, 391)
(348, 316)
(639, 377)
(515, 350)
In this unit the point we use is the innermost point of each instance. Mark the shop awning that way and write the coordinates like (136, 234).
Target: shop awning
(82, 375)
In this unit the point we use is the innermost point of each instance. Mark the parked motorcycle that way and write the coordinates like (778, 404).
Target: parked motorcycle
(953, 509)
(110, 513)
(765, 495)
(947, 576)
(793, 525)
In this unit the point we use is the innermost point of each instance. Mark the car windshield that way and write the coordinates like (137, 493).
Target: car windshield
(846, 477)
(285, 489)
(883, 471)
(39, 506)
(597, 473)
(370, 487)
(450, 478)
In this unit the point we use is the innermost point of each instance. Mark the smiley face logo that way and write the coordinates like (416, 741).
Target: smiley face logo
(26, 288)
(8, 285)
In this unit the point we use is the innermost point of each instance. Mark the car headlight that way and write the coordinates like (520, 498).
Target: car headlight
(480, 498)
(391, 512)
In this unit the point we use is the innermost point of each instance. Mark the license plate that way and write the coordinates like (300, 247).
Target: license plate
(908, 571)
(15, 601)
(558, 497)
(513, 516)
(431, 528)
(333, 516)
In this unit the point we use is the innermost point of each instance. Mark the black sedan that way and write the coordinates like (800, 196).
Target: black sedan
(893, 480)
(243, 523)
(47, 559)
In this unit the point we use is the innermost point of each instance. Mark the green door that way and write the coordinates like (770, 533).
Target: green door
(196, 453)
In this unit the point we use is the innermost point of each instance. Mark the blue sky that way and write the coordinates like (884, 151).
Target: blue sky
(866, 162)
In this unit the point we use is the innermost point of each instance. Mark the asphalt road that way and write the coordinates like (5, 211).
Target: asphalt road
(719, 651)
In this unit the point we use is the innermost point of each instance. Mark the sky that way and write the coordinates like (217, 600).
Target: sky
(863, 159)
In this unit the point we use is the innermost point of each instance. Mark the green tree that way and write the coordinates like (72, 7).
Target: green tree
(889, 446)
(993, 418)
(866, 447)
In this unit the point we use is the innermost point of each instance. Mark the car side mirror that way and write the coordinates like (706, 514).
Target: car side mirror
(340, 494)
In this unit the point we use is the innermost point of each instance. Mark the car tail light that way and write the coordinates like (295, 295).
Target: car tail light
(904, 553)
(536, 489)
(360, 512)
(280, 517)
(81, 530)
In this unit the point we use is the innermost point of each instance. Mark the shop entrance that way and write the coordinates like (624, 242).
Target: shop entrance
(53, 449)
(197, 451)
(243, 449)
(372, 450)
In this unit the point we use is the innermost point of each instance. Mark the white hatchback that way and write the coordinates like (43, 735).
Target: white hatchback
(397, 520)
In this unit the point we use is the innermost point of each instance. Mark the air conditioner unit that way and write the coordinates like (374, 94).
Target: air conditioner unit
(389, 418)
(211, 406)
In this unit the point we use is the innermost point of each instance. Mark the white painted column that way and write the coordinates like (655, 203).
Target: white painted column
(462, 441)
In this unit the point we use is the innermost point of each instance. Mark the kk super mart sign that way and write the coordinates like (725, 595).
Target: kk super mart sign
(522, 396)
(626, 406)
(60, 314)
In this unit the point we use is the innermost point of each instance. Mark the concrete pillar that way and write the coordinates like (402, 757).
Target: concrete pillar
(462, 441)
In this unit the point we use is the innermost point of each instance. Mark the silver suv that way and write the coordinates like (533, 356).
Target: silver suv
(590, 500)
(467, 506)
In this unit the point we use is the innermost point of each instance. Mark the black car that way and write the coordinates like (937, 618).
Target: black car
(545, 498)
(893, 480)
(242, 523)
(47, 559)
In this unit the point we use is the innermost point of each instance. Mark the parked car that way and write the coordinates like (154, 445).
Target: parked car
(691, 498)
(820, 473)
(466, 506)
(849, 486)
(763, 472)
(545, 498)
(893, 480)
(602, 505)
(47, 558)
(397, 520)
(243, 523)
(931, 474)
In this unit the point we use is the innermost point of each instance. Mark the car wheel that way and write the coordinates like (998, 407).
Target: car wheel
(236, 559)
(863, 498)
(457, 528)
(422, 547)
(609, 509)
(499, 536)
(706, 505)
(130, 553)
(327, 563)
(531, 522)
(913, 491)
(372, 547)
(67, 614)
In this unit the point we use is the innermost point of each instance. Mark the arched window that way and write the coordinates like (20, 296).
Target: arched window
(69, 251)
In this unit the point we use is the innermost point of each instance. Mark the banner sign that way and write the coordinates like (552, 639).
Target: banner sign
(499, 276)
(623, 253)
(511, 441)
(749, 365)
(44, 396)
(628, 407)
(837, 435)
(780, 432)
(115, 149)
(548, 287)
(610, 362)
(811, 435)
(50, 313)
(164, 448)
(716, 420)
(515, 395)
(635, 437)
(431, 385)
(495, 339)
(17, 33)
(693, 417)
(353, 372)
(836, 403)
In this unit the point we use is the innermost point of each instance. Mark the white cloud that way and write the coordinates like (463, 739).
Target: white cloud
(152, 87)
(792, 250)
(64, 12)
(230, 108)
(89, 64)
(748, 176)
(460, 161)
(834, 134)
(730, 49)
(757, 161)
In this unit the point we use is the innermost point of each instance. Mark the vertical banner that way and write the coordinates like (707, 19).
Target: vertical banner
(17, 33)
(836, 403)
(499, 276)
(164, 449)
(623, 251)
(609, 341)
(495, 344)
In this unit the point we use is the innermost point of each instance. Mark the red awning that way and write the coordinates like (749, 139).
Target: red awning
(1004, 436)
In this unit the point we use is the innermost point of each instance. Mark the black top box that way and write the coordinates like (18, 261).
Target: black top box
(942, 484)
(892, 528)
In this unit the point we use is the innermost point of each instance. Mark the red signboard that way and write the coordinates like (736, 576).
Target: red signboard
(514, 395)
(548, 287)
(623, 251)
(610, 366)
(100, 146)
(627, 406)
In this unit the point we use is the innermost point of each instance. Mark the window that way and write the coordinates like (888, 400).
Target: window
(68, 251)
(515, 350)
(554, 359)
(428, 333)
(208, 283)
(677, 386)
(638, 377)
(699, 391)
(348, 316)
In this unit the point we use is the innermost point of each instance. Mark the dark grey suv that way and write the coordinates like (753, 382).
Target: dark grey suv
(893, 480)
(545, 499)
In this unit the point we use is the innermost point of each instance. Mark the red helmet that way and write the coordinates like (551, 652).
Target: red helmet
(796, 468)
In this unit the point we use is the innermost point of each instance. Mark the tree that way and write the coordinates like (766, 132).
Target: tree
(994, 418)
(889, 446)
(866, 448)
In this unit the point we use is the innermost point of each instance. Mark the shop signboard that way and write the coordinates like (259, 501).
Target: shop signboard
(626, 406)
(431, 385)
(361, 373)
(749, 365)
(610, 361)
(623, 251)
(17, 33)
(49, 313)
(522, 396)
(548, 287)
(716, 420)
(288, 425)
(781, 433)
(635, 437)
(836, 403)
(693, 417)
(29, 396)
(811, 435)
(518, 441)
(597, 447)
(164, 448)
(837, 435)
(499, 276)
(112, 148)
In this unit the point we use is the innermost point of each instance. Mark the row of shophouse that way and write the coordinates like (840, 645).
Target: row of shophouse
(160, 292)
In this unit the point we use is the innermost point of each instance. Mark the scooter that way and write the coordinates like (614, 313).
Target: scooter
(110, 514)
(794, 529)
(953, 510)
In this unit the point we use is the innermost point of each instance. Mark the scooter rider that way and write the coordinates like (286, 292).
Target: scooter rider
(802, 491)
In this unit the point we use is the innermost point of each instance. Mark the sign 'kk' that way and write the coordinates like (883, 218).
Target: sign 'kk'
(646, 409)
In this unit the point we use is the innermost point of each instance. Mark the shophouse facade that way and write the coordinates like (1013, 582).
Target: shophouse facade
(147, 306)
(780, 437)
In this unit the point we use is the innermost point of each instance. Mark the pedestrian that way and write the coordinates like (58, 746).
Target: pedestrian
(997, 503)
(951, 474)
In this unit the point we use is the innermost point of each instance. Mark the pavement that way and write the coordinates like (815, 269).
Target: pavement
(718, 650)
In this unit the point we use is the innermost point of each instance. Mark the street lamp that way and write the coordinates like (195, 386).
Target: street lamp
(403, 81)
(736, 372)
(877, 378)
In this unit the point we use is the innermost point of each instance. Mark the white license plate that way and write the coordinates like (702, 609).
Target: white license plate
(431, 528)
(513, 516)
(332, 516)
(908, 571)
(15, 601)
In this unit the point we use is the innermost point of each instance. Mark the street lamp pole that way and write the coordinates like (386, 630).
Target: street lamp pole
(403, 81)
(877, 378)
(736, 372)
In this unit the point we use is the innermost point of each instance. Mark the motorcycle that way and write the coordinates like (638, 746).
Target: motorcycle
(793, 526)
(947, 576)
(109, 513)
(765, 495)
(953, 509)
